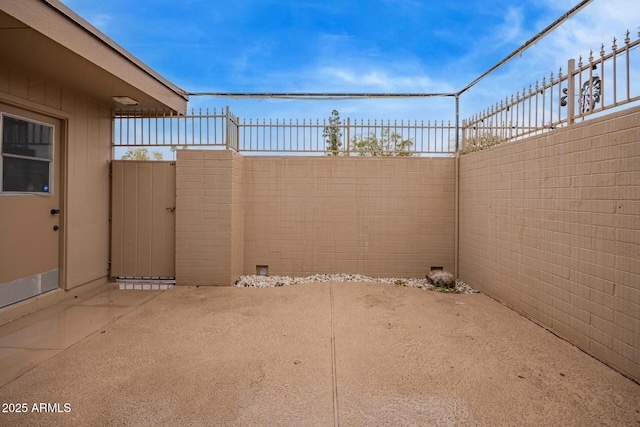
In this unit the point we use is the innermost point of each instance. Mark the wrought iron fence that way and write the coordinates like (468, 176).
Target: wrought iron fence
(150, 128)
(595, 85)
(221, 129)
(353, 137)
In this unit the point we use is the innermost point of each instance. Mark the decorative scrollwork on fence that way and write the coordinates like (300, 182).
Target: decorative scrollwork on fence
(597, 85)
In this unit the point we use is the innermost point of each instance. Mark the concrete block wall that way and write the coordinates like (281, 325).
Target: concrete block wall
(308, 215)
(209, 209)
(237, 216)
(373, 216)
(551, 226)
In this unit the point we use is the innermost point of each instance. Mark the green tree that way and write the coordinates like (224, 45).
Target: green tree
(332, 134)
(141, 154)
(387, 145)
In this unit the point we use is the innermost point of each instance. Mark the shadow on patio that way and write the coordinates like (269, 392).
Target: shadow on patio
(318, 354)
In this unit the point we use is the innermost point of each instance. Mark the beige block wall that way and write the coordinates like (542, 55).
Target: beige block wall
(209, 225)
(237, 216)
(308, 215)
(374, 216)
(551, 226)
(86, 152)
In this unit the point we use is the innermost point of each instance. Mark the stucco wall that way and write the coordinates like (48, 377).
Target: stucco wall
(87, 151)
(307, 215)
(551, 226)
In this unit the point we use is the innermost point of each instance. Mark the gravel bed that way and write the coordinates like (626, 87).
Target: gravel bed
(254, 281)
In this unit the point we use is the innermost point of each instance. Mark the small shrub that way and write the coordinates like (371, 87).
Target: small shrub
(481, 142)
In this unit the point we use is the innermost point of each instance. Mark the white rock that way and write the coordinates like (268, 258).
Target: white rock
(254, 281)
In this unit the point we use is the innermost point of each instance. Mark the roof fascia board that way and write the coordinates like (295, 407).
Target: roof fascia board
(68, 29)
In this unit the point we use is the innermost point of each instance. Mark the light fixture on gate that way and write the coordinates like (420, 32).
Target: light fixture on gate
(125, 100)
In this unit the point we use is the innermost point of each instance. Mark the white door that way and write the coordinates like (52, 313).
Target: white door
(30, 210)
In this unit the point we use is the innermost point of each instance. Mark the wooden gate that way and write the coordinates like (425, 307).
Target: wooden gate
(143, 200)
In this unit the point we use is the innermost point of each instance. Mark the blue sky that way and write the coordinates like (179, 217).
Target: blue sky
(353, 46)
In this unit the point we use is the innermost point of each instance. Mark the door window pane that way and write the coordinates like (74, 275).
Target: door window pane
(26, 138)
(30, 176)
(27, 155)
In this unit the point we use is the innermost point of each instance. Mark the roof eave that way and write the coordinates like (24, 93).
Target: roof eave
(68, 29)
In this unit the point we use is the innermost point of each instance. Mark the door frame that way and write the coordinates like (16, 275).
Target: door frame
(22, 105)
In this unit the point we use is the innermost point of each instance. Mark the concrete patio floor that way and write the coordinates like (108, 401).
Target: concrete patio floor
(349, 354)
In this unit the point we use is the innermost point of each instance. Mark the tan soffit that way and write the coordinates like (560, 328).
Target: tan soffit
(78, 54)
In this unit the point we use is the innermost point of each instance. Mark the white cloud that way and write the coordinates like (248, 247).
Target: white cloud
(343, 63)
(596, 24)
(340, 66)
(100, 21)
(375, 80)
(599, 22)
(243, 58)
(511, 29)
